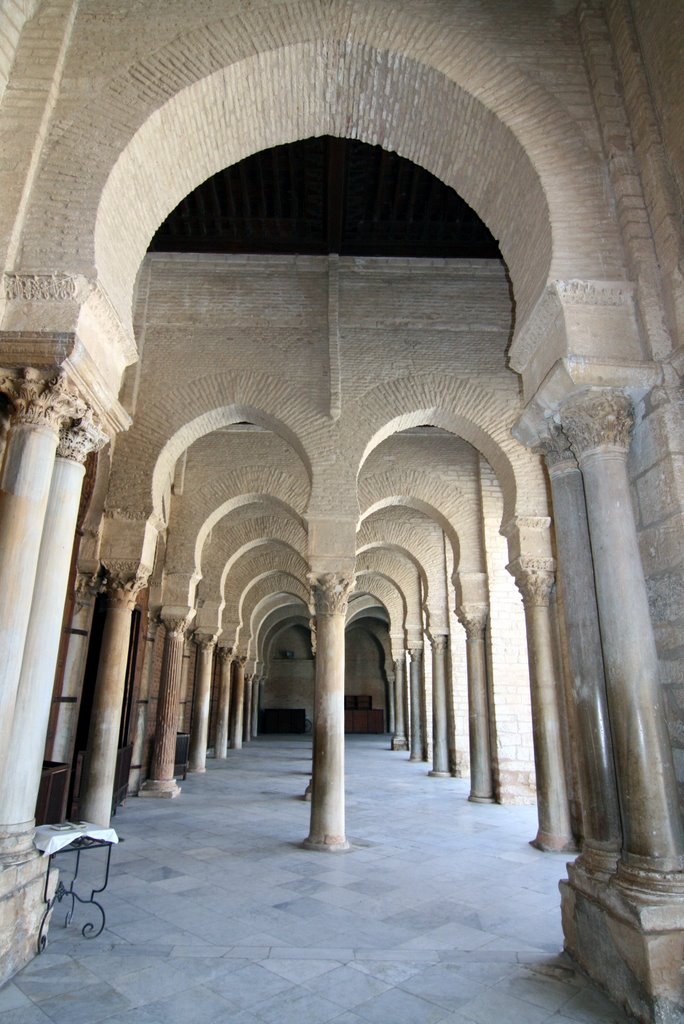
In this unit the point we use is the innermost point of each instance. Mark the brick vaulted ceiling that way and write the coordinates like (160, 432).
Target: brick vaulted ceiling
(326, 195)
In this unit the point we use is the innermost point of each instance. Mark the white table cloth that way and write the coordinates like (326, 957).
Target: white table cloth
(51, 838)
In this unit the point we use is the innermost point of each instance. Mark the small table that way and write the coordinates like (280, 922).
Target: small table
(72, 837)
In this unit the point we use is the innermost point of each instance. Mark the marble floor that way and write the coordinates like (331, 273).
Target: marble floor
(442, 912)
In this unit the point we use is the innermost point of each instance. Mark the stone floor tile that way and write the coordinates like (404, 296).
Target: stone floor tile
(12, 997)
(82, 1006)
(30, 1014)
(400, 1008)
(297, 1007)
(249, 986)
(347, 987)
(299, 970)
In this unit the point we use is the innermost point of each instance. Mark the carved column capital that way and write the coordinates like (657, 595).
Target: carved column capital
(176, 625)
(330, 591)
(124, 581)
(534, 578)
(597, 420)
(416, 654)
(40, 401)
(79, 439)
(439, 641)
(556, 448)
(240, 660)
(473, 618)
(224, 653)
(205, 641)
(314, 636)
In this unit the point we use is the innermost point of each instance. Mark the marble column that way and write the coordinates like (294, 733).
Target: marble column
(162, 782)
(197, 761)
(598, 425)
(23, 760)
(257, 687)
(327, 829)
(142, 707)
(64, 740)
(238, 702)
(391, 720)
(416, 685)
(473, 618)
(247, 710)
(399, 741)
(225, 657)
(601, 824)
(124, 582)
(440, 741)
(535, 578)
(39, 407)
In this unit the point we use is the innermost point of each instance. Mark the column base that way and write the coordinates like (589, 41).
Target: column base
(16, 843)
(439, 775)
(164, 789)
(197, 771)
(481, 799)
(330, 844)
(399, 743)
(416, 757)
(308, 791)
(631, 945)
(22, 888)
(548, 843)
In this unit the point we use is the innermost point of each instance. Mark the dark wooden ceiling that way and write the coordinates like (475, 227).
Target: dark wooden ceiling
(326, 195)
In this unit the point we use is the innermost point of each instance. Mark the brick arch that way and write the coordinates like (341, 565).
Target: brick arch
(270, 502)
(269, 623)
(364, 605)
(382, 545)
(402, 572)
(483, 417)
(236, 533)
(220, 91)
(428, 509)
(389, 596)
(267, 585)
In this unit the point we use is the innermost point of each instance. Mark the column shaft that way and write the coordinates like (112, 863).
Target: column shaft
(247, 711)
(24, 756)
(74, 668)
(327, 829)
(223, 711)
(200, 715)
(474, 619)
(399, 739)
(238, 702)
(161, 782)
(415, 684)
(257, 686)
(653, 836)
(135, 777)
(440, 743)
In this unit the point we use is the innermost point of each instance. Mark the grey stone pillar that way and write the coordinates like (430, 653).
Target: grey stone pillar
(474, 620)
(162, 782)
(247, 709)
(125, 580)
(440, 742)
(39, 408)
(416, 685)
(225, 657)
(142, 706)
(186, 691)
(399, 741)
(64, 740)
(23, 760)
(601, 825)
(598, 425)
(391, 698)
(535, 578)
(327, 829)
(197, 760)
(257, 687)
(238, 702)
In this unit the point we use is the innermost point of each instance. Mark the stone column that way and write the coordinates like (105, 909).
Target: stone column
(39, 408)
(143, 703)
(124, 582)
(440, 741)
(391, 720)
(87, 587)
(473, 618)
(161, 782)
(184, 690)
(415, 684)
(225, 656)
(23, 759)
(535, 578)
(257, 687)
(399, 741)
(327, 830)
(238, 701)
(601, 823)
(598, 425)
(197, 761)
(247, 709)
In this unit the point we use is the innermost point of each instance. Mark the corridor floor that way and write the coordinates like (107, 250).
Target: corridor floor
(442, 912)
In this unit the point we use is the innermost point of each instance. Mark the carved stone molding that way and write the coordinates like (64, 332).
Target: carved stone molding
(76, 442)
(416, 654)
(124, 581)
(41, 401)
(224, 654)
(597, 419)
(314, 636)
(205, 641)
(330, 592)
(473, 618)
(534, 578)
(240, 660)
(40, 287)
(556, 448)
(86, 587)
(176, 626)
(439, 642)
